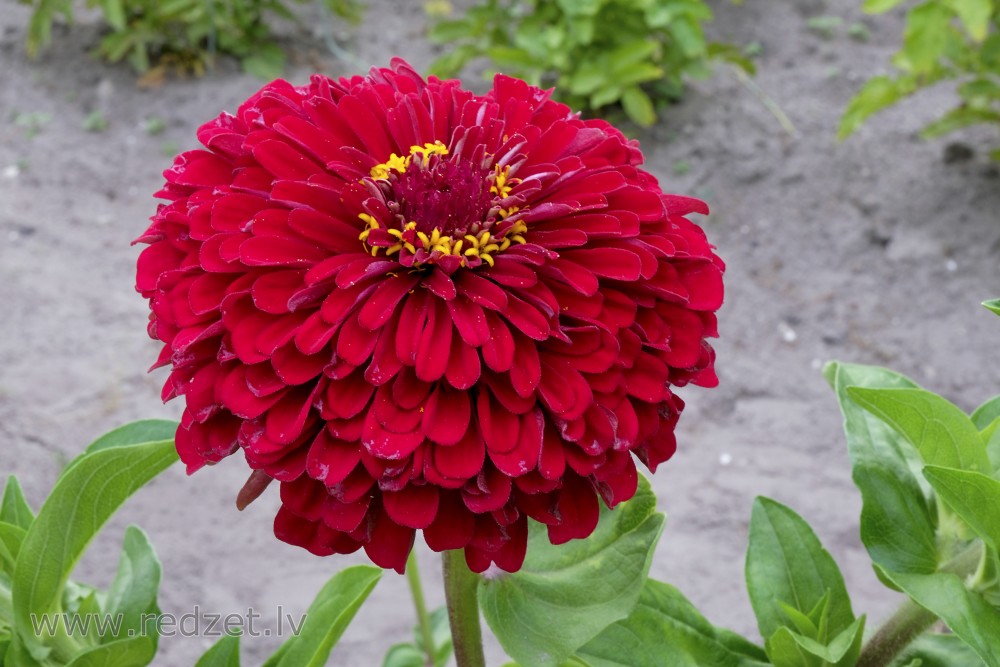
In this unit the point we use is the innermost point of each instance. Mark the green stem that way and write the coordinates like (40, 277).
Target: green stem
(460, 590)
(423, 618)
(911, 620)
(908, 623)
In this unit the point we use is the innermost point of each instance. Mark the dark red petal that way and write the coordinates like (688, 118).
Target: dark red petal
(461, 461)
(331, 460)
(389, 544)
(381, 304)
(578, 509)
(499, 426)
(524, 457)
(453, 526)
(446, 415)
(413, 506)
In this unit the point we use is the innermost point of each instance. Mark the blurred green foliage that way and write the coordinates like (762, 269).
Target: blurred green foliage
(597, 53)
(944, 40)
(182, 34)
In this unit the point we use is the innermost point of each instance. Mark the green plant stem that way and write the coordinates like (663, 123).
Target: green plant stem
(911, 620)
(423, 618)
(460, 591)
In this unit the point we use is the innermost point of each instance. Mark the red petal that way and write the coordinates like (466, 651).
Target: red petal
(383, 301)
(453, 526)
(413, 506)
(435, 344)
(579, 511)
(331, 460)
(524, 457)
(499, 426)
(447, 415)
(389, 544)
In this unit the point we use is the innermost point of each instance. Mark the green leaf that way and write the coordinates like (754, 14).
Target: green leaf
(941, 432)
(224, 653)
(665, 630)
(11, 539)
(638, 106)
(15, 509)
(405, 655)
(973, 496)
(879, 6)
(329, 615)
(114, 13)
(144, 430)
(449, 31)
(958, 118)
(787, 648)
(878, 93)
(786, 563)
(133, 592)
(975, 14)
(86, 495)
(925, 36)
(934, 650)
(132, 652)
(580, 587)
(897, 526)
(266, 62)
(994, 306)
(967, 614)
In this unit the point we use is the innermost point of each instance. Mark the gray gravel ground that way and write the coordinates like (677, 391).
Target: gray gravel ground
(876, 250)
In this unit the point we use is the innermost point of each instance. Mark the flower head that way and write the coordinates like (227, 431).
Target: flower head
(418, 308)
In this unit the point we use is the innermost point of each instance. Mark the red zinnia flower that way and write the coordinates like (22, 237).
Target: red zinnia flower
(420, 308)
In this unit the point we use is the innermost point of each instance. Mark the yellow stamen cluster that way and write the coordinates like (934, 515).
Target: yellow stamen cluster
(400, 164)
(482, 245)
(502, 185)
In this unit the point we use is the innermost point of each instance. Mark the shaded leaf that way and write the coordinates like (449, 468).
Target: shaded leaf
(580, 587)
(14, 508)
(786, 563)
(329, 615)
(665, 630)
(224, 653)
(941, 432)
(973, 496)
(967, 614)
(86, 495)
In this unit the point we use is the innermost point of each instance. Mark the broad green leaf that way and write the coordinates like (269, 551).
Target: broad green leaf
(897, 526)
(878, 93)
(14, 509)
(86, 495)
(869, 439)
(405, 655)
(580, 587)
(973, 496)
(967, 614)
(114, 13)
(665, 630)
(131, 652)
(638, 106)
(958, 118)
(987, 413)
(133, 433)
(941, 432)
(786, 563)
(11, 539)
(787, 648)
(979, 89)
(925, 36)
(934, 650)
(224, 653)
(329, 615)
(879, 6)
(975, 14)
(993, 305)
(133, 592)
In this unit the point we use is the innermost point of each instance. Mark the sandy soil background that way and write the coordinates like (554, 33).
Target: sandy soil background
(877, 250)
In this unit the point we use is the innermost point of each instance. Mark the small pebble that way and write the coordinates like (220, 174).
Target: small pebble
(816, 364)
(725, 459)
(787, 333)
(11, 171)
(951, 265)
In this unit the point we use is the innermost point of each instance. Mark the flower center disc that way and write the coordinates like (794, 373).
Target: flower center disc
(442, 210)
